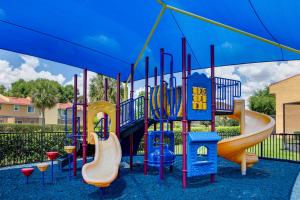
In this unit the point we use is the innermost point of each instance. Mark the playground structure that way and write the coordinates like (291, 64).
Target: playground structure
(199, 98)
(106, 36)
(106, 39)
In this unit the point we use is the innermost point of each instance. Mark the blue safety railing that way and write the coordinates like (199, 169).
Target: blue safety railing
(226, 90)
(131, 111)
(99, 128)
(77, 132)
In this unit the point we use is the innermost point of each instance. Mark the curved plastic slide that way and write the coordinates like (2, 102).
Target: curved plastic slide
(255, 127)
(103, 170)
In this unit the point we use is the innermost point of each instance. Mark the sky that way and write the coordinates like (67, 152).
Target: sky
(14, 66)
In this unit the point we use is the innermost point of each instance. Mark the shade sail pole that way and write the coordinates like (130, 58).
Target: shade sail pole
(162, 11)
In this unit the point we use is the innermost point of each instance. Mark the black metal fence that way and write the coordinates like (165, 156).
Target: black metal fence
(279, 147)
(22, 148)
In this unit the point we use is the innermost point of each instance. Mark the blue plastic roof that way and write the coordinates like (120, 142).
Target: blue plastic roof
(106, 36)
(203, 137)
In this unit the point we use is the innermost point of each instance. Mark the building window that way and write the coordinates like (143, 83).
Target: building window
(16, 107)
(30, 109)
(19, 122)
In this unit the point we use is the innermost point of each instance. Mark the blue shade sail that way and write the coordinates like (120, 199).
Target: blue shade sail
(107, 36)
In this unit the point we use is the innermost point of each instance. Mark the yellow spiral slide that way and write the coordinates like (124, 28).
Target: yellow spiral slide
(255, 127)
(103, 170)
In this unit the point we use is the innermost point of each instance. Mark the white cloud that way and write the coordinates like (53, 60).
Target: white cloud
(27, 71)
(258, 76)
(137, 91)
(253, 76)
(229, 72)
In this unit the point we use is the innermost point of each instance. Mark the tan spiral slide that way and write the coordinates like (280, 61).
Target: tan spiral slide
(255, 127)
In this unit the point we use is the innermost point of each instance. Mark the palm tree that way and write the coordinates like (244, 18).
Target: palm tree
(97, 89)
(44, 95)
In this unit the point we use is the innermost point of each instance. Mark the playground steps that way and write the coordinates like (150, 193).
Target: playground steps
(222, 112)
(137, 129)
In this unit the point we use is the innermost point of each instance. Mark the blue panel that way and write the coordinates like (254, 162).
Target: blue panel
(198, 164)
(198, 97)
(203, 136)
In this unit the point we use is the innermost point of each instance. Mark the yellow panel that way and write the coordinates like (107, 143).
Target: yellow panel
(93, 110)
(204, 98)
(204, 106)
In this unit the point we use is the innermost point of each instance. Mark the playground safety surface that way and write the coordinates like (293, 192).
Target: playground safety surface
(266, 180)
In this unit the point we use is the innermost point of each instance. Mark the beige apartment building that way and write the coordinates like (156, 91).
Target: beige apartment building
(56, 115)
(18, 110)
(22, 111)
(287, 93)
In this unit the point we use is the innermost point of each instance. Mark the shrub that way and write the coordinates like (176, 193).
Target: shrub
(29, 128)
(223, 131)
(25, 147)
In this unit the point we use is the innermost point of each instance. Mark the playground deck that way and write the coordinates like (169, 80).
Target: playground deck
(266, 180)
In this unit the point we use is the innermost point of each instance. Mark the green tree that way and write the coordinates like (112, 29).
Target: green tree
(67, 94)
(45, 94)
(262, 101)
(2, 90)
(97, 89)
(20, 88)
(141, 93)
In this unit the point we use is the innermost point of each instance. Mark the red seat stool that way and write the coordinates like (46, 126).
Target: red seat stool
(27, 172)
(52, 155)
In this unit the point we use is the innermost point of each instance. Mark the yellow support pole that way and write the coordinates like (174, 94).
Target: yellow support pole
(149, 38)
(125, 91)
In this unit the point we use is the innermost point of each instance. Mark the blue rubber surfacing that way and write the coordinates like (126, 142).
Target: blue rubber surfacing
(266, 180)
